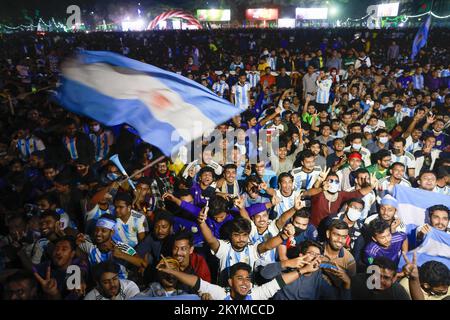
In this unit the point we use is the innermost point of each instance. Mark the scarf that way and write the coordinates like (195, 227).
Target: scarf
(224, 188)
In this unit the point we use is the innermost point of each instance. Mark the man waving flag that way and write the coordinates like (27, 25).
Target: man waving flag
(421, 38)
(167, 109)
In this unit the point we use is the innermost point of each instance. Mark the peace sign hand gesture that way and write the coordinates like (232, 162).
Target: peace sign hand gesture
(373, 181)
(48, 284)
(410, 269)
(323, 174)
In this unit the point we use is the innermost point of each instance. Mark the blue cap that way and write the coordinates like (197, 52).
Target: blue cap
(256, 208)
(389, 200)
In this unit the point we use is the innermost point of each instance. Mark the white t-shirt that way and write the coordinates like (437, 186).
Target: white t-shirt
(128, 289)
(263, 292)
(228, 256)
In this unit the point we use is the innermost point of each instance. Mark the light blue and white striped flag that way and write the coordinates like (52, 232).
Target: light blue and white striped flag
(436, 247)
(167, 109)
(413, 203)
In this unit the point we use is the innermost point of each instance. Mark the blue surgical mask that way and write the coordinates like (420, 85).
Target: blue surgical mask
(112, 176)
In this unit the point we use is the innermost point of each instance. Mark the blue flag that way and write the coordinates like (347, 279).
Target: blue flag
(421, 38)
(167, 109)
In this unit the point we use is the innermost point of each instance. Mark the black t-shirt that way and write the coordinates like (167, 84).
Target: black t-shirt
(360, 291)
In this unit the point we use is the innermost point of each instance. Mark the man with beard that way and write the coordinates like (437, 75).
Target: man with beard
(51, 230)
(188, 260)
(104, 248)
(313, 284)
(306, 175)
(165, 285)
(303, 231)
(52, 275)
(159, 241)
(439, 218)
(163, 181)
(334, 250)
(388, 213)
(239, 282)
(351, 216)
(389, 288)
(109, 286)
(397, 173)
(76, 144)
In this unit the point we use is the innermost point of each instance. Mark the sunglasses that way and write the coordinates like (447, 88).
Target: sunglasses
(333, 181)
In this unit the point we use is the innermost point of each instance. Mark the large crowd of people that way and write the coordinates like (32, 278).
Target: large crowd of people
(353, 115)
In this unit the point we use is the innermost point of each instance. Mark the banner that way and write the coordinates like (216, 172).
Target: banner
(214, 14)
(261, 14)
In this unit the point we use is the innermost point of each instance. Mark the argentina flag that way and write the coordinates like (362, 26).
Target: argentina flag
(421, 37)
(167, 109)
(413, 204)
(436, 247)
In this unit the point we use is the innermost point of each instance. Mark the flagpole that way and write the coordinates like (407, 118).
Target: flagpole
(143, 169)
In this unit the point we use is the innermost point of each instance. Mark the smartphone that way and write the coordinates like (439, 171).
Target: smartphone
(328, 266)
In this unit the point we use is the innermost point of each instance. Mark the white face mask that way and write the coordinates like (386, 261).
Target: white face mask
(356, 146)
(334, 187)
(353, 214)
(384, 140)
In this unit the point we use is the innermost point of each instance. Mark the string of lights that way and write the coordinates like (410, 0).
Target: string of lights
(59, 25)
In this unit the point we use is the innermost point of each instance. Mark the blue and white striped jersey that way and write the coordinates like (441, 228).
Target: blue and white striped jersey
(323, 91)
(101, 142)
(253, 78)
(219, 88)
(127, 232)
(303, 180)
(95, 256)
(241, 96)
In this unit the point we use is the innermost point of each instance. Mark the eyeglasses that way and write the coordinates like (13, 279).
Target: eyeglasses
(437, 293)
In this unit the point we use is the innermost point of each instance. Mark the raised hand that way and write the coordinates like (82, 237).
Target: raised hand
(202, 215)
(80, 238)
(239, 202)
(48, 284)
(323, 174)
(298, 203)
(168, 196)
(312, 266)
(263, 186)
(275, 201)
(410, 269)
(289, 230)
(373, 181)
(431, 119)
(395, 224)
